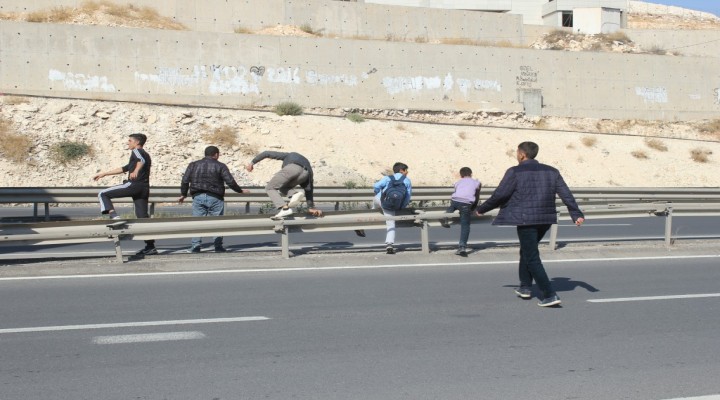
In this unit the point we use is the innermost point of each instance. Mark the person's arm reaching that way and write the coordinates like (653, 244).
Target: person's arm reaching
(275, 155)
(501, 194)
(115, 171)
(563, 191)
(230, 181)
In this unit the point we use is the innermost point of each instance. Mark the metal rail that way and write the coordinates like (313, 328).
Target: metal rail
(421, 196)
(167, 228)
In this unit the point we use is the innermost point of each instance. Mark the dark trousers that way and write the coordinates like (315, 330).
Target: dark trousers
(465, 215)
(530, 266)
(140, 193)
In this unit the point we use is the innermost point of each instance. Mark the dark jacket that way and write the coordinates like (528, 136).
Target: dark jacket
(526, 196)
(292, 158)
(208, 176)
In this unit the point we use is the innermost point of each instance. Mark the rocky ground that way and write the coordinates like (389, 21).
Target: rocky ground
(590, 152)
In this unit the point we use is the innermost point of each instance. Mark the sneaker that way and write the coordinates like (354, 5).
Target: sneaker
(551, 301)
(461, 251)
(390, 249)
(194, 250)
(116, 217)
(296, 199)
(148, 251)
(523, 292)
(220, 249)
(445, 223)
(360, 232)
(284, 213)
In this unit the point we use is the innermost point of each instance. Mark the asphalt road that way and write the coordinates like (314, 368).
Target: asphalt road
(448, 331)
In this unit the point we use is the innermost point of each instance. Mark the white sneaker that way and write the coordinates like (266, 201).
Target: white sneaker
(296, 199)
(284, 213)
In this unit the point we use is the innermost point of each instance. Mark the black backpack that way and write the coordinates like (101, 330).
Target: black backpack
(394, 195)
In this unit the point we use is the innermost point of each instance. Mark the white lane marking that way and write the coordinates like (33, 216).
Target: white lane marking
(446, 264)
(131, 324)
(713, 397)
(650, 298)
(148, 337)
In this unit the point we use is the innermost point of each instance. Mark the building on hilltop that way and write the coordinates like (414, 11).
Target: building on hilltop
(584, 16)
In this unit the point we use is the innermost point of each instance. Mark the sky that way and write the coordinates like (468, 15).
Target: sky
(712, 6)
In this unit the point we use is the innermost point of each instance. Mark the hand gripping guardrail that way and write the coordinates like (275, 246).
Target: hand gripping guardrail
(167, 228)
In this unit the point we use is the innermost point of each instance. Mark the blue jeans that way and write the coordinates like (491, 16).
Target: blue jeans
(530, 266)
(465, 215)
(202, 206)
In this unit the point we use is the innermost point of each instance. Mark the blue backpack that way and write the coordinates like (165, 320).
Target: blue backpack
(394, 195)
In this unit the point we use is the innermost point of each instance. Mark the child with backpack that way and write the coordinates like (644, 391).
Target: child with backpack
(464, 199)
(392, 194)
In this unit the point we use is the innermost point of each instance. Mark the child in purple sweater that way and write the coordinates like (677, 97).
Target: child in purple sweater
(464, 199)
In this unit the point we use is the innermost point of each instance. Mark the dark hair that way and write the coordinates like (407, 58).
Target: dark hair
(398, 166)
(465, 171)
(211, 151)
(139, 137)
(530, 149)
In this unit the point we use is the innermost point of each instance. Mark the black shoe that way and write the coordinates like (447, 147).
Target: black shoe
(461, 251)
(445, 223)
(551, 301)
(148, 251)
(390, 249)
(220, 249)
(194, 249)
(524, 292)
(360, 232)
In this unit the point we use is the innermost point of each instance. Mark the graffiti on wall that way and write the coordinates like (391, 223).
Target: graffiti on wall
(652, 94)
(225, 79)
(72, 81)
(399, 84)
(527, 77)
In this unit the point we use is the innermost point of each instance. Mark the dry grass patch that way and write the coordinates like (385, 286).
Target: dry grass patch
(589, 141)
(700, 155)
(712, 126)
(541, 124)
(101, 13)
(67, 151)
(640, 155)
(656, 144)
(14, 100)
(222, 136)
(243, 30)
(15, 146)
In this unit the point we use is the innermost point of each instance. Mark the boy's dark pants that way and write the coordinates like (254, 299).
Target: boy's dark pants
(140, 194)
(530, 266)
(465, 215)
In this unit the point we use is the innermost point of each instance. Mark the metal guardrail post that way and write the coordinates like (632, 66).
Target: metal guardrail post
(668, 225)
(425, 236)
(247, 207)
(337, 206)
(118, 249)
(151, 211)
(47, 212)
(35, 210)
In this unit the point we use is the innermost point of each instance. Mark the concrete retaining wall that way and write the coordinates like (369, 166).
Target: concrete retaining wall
(328, 18)
(704, 43)
(235, 70)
